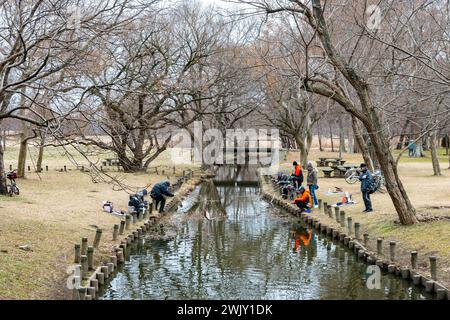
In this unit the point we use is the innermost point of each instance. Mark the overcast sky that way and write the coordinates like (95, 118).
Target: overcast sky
(217, 2)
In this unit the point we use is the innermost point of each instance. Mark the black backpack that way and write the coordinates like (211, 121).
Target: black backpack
(373, 186)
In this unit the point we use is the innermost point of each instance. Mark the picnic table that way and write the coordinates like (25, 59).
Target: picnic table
(111, 162)
(327, 162)
(327, 172)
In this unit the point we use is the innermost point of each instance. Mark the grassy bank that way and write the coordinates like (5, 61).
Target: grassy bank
(53, 212)
(429, 194)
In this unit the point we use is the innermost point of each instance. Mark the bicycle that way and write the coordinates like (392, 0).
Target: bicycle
(352, 176)
(12, 188)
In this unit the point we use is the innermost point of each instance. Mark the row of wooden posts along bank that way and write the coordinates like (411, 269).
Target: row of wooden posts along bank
(160, 170)
(349, 233)
(89, 280)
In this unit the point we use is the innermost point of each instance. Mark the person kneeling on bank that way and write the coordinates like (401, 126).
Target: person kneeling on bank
(159, 191)
(304, 201)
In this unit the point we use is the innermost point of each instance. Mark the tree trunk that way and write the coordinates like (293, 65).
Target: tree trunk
(21, 164)
(319, 133)
(331, 136)
(434, 154)
(40, 155)
(3, 139)
(342, 148)
(361, 144)
(401, 140)
(302, 146)
(351, 142)
(3, 188)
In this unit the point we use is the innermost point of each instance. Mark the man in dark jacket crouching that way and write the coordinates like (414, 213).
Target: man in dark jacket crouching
(158, 192)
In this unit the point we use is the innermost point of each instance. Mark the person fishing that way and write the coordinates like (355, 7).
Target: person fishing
(366, 179)
(311, 181)
(304, 201)
(297, 175)
(158, 193)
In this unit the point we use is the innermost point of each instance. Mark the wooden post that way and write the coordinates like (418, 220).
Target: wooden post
(342, 219)
(350, 226)
(429, 286)
(29, 169)
(366, 239)
(104, 270)
(46, 168)
(84, 267)
(101, 278)
(77, 253)
(433, 268)
(357, 230)
(417, 279)
(110, 266)
(379, 246)
(98, 236)
(65, 168)
(123, 246)
(90, 256)
(113, 260)
(122, 227)
(328, 210)
(94, 284)
(392, 245)
(337, 213)
(82, 293)
(320, 203)
(120, 257)
(325, 207)
(414, 259)
(115, 232)
(127, 222)
(84, 245)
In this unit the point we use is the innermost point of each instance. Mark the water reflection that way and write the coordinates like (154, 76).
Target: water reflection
(256, 252)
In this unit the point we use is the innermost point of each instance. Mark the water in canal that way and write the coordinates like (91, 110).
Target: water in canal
(255, 252)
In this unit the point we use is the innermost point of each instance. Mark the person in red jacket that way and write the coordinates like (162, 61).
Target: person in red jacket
(304, 201)
(297, 176)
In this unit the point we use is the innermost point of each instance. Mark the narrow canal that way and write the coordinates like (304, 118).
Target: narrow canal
(255, 251)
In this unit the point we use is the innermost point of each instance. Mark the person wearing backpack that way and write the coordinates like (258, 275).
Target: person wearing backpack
(366, 179)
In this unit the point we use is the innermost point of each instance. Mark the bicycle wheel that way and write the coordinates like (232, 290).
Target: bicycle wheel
(17, 191)
(351, 177)
(10, 191)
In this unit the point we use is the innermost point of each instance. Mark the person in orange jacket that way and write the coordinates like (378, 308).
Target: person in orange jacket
(304, 201)
(297, 176)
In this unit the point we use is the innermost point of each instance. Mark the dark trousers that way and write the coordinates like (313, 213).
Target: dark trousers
(297, 181)
(161, 201)
(367, 201)
(302, 205)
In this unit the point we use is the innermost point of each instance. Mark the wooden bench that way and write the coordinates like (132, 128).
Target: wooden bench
(110, 162)
(340, 171)
(327, 172)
